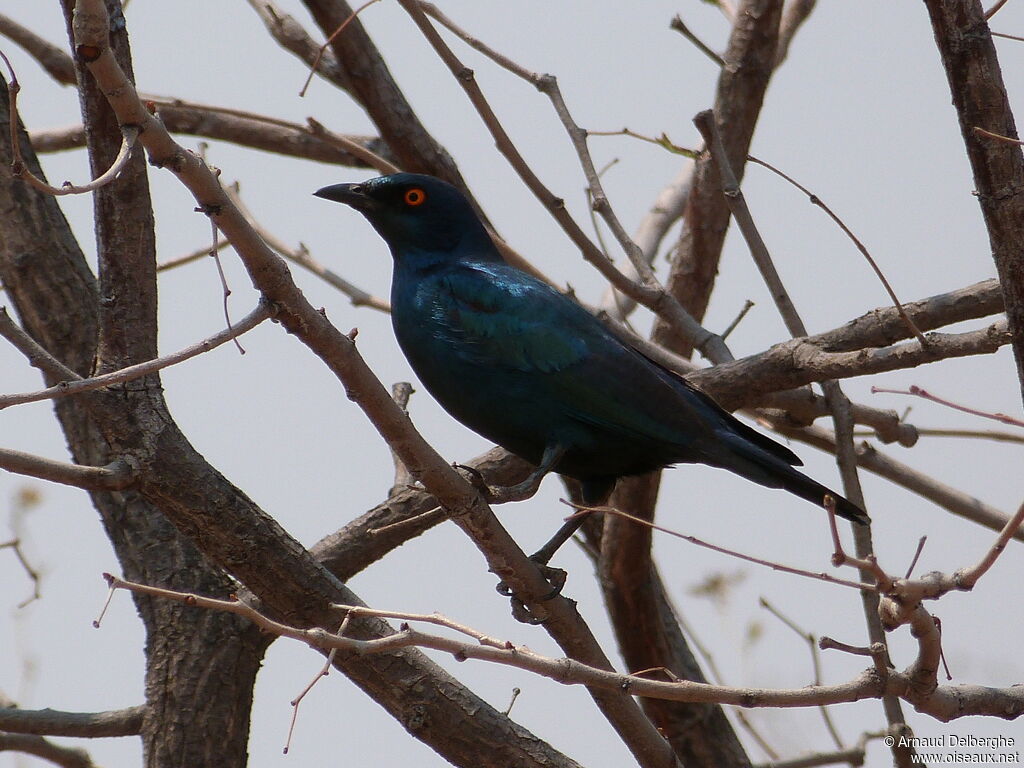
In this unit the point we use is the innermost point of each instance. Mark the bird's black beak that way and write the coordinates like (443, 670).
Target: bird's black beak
(349, 194)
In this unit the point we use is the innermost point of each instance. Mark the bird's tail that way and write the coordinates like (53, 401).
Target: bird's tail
(758, 465)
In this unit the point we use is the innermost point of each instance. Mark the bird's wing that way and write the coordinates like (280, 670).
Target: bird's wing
(746, 432)
(501, 319)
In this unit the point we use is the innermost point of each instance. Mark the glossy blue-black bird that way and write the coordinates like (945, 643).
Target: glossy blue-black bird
(527, 367)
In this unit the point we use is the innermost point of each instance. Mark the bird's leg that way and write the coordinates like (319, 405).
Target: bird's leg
(543, 555)
(524, 490)
(529, 486)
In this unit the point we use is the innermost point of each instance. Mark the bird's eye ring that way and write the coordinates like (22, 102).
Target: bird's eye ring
(414, 197)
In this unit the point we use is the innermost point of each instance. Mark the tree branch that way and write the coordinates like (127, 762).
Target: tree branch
(247, 130)
(66, 757)
(51, 58)
(78, 385)
(86, 725)
(567, 671)
(979, 96)
(117, 475)
(795, 363)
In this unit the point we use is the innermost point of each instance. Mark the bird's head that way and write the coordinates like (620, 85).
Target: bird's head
(415, 214)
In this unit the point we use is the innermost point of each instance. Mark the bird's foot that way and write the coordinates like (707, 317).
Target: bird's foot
(495, 494)
(556, 577)
(520, 491)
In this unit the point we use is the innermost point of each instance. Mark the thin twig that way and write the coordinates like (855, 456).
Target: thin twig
(678, 25)
(812, 643)
(188, 258)
(994, 10)
(329, 40)
(33, 573)
(35, 354)
(115, 476)
(325, 670)
(925, 394)
(747, 306)
(580, 508)
(1019, 39)
(917, 556)
(78, 385)
(815, 200)
(977, 434)
(129, 133)
(951, 701)
(304, 259)
(969, 577)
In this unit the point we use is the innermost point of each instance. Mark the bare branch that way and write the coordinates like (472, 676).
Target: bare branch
(793, 17)
(723, 550)
(795, 363)
(976, 434)
(86, 725)
(115, 476)
(66, 757)
(919, 392)
(243, 128)
(567, 671)
(78, 385)
(815, 200)
(971, 63)
(290, 35)
(994, 9)
(33, 573)
(968, 578)
(53, 59)
(37, 356)
(678, 25)
(401, 391)
(129, 133)
(302, 257)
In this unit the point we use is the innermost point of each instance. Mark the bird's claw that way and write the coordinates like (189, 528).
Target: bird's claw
(492, 494)
(556, 577)
(476, 479)
(524, 615)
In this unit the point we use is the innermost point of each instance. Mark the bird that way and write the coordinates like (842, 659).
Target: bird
(529, 368)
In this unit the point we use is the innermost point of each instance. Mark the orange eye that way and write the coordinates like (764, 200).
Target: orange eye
(414, 197)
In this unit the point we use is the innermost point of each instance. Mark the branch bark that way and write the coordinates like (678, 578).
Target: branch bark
(87, 725)
(979, 96)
